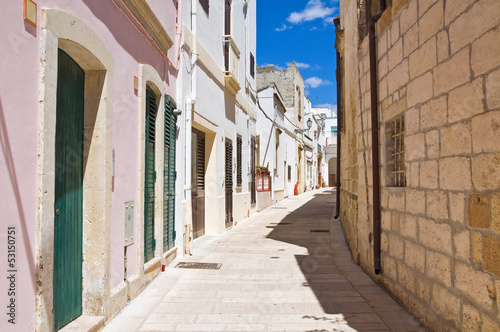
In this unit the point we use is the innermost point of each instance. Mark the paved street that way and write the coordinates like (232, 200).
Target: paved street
(280, 272)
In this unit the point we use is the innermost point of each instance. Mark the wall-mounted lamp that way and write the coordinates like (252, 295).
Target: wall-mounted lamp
(176, 112)
(30, 13)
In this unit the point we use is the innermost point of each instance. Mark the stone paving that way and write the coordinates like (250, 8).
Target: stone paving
(280, 272)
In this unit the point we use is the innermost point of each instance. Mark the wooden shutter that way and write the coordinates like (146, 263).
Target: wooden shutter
(200, 161)
(227, 17)
(253, 196)
(205, 5)
(239, 143)
(169, 175)
(149, 186)
(252, 65)
(229, 182)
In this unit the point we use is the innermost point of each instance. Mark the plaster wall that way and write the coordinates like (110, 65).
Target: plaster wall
(20, 121)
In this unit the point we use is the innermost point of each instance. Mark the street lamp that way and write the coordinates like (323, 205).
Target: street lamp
(309, 123)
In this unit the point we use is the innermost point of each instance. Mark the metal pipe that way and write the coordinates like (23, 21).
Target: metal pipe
(339, 127)
(375, 138)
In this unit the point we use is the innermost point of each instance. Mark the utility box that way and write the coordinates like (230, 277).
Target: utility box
(129, 223)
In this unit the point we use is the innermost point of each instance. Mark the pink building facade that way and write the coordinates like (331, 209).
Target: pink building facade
(114, 64)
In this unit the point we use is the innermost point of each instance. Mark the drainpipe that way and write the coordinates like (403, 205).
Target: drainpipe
(338, 29)
(375, 134)
(339, 127)
(190, 107)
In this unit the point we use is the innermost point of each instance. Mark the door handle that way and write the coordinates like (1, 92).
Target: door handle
(58, 212)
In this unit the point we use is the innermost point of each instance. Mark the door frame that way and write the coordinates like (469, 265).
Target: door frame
(83, 45)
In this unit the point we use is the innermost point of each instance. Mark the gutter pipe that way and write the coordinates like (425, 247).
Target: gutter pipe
(375, 133)
(339, 128)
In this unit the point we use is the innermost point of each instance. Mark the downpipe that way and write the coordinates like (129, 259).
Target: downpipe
(375, 135)
(339, 127)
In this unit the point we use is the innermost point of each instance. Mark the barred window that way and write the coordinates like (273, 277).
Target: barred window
(396, 170)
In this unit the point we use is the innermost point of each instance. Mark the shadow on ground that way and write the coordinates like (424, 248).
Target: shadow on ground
(346, 293)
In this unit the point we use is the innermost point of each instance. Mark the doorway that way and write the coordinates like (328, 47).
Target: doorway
(68, 194)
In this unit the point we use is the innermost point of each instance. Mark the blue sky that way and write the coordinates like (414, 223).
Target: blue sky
(301, 31)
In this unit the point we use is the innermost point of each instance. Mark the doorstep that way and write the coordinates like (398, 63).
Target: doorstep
(85, 323)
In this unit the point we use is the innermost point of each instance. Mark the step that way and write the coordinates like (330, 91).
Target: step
(85, 324)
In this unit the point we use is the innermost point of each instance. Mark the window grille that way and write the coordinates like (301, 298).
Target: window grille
(398, 154)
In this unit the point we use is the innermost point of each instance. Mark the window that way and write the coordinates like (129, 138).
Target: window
(396, 171)
(205, 5)
(289, 173)
(252, 65)
(239, 180)
(277, 152)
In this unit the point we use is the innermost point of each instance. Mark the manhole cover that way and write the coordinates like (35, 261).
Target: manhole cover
(198, 265)
(319, 231)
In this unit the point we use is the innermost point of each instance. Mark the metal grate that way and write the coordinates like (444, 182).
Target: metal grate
(398, 155)
(199, 266)
(319, 231)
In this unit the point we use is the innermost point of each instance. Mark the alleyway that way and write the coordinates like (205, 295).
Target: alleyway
(278, 273)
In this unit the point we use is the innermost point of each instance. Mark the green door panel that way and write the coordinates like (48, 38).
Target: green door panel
(68, 209)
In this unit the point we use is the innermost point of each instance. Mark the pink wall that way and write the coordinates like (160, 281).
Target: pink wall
(19, 123)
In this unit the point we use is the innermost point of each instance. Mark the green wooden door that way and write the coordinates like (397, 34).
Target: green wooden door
(150, 176)
(68, 192)
(169, 175)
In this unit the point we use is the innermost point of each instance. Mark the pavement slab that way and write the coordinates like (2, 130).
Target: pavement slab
(287, 268)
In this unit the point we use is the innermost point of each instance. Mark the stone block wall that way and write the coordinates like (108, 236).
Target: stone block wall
(290, 86)
(439, 69)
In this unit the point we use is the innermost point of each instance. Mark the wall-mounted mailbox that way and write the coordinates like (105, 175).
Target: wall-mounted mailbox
(129, 223)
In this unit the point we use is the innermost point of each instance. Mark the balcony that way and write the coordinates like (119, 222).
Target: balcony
(231, 65)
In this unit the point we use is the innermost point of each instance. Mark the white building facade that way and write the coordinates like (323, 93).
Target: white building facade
(218, 93)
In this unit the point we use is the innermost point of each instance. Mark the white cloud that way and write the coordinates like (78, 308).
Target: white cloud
(315, 82)
(283, 27)
(300, 64)
(314, 9)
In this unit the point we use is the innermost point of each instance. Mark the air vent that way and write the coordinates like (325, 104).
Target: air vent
(199, 266)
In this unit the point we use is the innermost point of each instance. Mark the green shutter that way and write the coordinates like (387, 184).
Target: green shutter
(149, 186)
(169, 175)
(68, 192)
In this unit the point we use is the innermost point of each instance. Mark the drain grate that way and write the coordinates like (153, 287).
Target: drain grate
(279, 207)
(198, 265)
(282, 223)
(319, 231)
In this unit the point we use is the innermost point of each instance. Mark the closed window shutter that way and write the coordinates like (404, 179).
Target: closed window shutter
(205, 5)
(239, 180)
(169, 175)
(252, 65)
(200, 162)
(229, 181)
(253, 196)
(227, 18)
(149, 186)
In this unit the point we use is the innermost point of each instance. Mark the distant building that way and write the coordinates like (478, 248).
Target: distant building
(290, 84)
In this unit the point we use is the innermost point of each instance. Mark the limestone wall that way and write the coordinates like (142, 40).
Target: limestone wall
(439, 68)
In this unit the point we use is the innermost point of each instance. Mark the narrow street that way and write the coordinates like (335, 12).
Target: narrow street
(287, 268)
